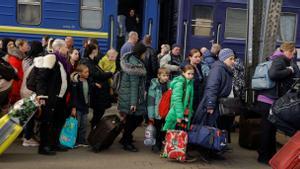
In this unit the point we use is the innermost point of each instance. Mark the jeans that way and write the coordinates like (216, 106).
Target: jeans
(82, 127)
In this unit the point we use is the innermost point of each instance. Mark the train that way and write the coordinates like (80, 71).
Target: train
(190, 23)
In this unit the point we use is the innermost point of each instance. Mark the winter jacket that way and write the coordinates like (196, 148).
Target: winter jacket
(99, 97)
(77, 96)
(151, 63)
(172, 63)
(283, 77)
(132, 86)
(107, 65)
(200, 77)
(15, 58)
(153, 98)
(209, 58)
(218, 85)
(182, 98)
(50, 82)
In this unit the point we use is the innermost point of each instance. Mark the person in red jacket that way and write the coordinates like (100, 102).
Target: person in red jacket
(15, 57)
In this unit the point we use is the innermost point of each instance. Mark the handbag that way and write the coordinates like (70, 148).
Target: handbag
(68, 133)
(229, 106)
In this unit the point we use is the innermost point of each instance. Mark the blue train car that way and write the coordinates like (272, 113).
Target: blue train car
(31, 19)
(203, 22)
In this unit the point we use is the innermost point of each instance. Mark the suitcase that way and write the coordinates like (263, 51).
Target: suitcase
(288, 156)
(249, 132)
(9, 131)
(175, 145)
(105, 132)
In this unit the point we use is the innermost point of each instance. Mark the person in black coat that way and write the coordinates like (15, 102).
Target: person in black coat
(99, 80)
(282, 71)
(131, 21)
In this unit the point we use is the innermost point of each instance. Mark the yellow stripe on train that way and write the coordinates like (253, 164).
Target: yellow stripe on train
(59, 32)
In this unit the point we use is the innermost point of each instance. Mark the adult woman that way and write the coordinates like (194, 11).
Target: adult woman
(201, 72)
(73, 58)
(131, 101)
(100, 86)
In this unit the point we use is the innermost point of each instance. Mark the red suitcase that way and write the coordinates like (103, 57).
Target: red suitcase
(288, 157)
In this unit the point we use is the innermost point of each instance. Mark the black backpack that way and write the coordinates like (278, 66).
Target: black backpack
(7, 72)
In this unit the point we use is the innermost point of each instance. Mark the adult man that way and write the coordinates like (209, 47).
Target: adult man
(51, 96)
(212, 56)
(173, 60)
(150, 60)
(69, 42)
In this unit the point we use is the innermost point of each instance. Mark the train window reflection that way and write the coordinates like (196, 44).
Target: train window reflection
(287, 29)
(29, 12)
(236, 23)
(202, 20)
(91, 14)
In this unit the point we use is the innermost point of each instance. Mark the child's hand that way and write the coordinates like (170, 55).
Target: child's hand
(179, 120)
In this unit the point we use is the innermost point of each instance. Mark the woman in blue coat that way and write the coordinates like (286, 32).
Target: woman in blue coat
(219, 85)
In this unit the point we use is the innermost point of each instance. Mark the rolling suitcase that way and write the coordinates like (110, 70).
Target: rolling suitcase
(288, 156)
(249, 132)
(9, 131)
(105, 132)
(11, 125)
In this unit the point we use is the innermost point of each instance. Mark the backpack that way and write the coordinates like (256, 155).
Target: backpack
(164, 104)
(7, 72)
(116, 81)
(260, 79)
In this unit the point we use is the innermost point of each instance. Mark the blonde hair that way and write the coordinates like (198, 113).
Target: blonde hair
(163, 70)
(287, 46)
(20, 42)
(112, 51)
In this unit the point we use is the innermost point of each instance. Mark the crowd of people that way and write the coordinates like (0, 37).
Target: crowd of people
(69, 81)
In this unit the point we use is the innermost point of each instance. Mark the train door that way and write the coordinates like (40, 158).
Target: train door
(200, 25)
(151, 21)
(231, 22)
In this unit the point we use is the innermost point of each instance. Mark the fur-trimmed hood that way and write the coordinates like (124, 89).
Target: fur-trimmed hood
(16, 52)
(131, 65)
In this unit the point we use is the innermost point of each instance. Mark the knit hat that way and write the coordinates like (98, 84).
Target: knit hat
(176, 45)
(225, 53)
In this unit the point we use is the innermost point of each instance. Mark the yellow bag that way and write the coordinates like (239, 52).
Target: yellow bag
(9, 131)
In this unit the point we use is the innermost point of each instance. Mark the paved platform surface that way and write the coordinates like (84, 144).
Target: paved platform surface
(18, 157)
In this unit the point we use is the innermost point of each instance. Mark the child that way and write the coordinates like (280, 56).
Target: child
(108, 62)
(157, 87)
(80, 100)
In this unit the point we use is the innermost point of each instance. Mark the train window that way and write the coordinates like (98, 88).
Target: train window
(236, 23)
(29, 12)
(287, 28)
(202, 20)
(91, 14)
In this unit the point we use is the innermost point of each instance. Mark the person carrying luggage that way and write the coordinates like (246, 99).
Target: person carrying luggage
(282, 72)
(157, 87)
(218, 85)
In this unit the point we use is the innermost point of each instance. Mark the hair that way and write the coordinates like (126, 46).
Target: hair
(163, 70)
(89, 49)
(93, 41)
(147, 39)
(46, 37)
(36, 49)
(81, 67)
(111, 51)
(193, 51)
(49, 46)
(167, 46)
(287, 46)
(187, 68)
(132, 33)
(57, 44)
(139, 49)
(20, 42)
(5, 41)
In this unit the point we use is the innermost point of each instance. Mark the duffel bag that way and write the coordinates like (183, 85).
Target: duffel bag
(208, 137)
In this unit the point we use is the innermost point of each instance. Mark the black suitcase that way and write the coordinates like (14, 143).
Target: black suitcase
(249, 132)
(105, 132)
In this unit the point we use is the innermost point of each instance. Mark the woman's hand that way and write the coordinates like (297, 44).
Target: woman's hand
(210, 111)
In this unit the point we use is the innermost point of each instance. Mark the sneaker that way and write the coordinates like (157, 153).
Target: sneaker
(30, 143)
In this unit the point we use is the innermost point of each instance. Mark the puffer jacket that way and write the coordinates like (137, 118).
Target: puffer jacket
(132, 86)
(153, 99)
(182, 98)
(218, 85)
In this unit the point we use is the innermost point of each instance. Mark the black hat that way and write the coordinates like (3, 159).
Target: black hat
(139, 49)
(36, 49)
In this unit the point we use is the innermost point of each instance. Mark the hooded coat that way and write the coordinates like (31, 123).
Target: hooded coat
(182, 98)
(218, 85)
(132, 85)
